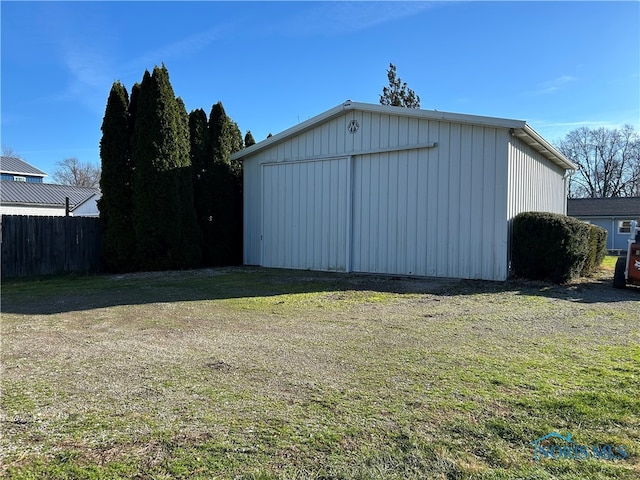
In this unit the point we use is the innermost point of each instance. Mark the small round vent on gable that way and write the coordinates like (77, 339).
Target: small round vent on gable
(353, 126)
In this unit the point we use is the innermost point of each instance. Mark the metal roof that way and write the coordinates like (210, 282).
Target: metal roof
(43, 194)
(518, 128)
(604, 207)
(17, 166)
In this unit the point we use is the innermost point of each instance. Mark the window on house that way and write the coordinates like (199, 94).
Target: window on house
(19, 179)
(624, 226)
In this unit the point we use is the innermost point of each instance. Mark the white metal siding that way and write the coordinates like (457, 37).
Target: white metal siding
(433, 211)
(252, 211)
(535, 183)
(304, 214)
(439, 211)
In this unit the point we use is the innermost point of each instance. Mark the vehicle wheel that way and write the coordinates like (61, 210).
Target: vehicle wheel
(618, 276)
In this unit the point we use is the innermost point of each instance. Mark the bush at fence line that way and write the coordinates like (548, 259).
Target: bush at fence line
(549, 246)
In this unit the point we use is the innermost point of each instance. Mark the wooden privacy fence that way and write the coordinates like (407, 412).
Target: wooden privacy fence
(33, 245)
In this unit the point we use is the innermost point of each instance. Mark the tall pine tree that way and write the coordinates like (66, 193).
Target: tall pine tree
(191, 236)
(248, 139)
(226, 138)
(133, 112)
(202, 179)
(160, 150)
(223, 244)
(116, 183)
(398, 94)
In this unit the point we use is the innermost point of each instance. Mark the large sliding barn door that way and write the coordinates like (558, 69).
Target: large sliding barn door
(400, 215)
(305, 213)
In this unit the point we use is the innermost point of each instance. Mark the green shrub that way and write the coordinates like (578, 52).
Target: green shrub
(597, 249)
(549, 246)
(601, 251)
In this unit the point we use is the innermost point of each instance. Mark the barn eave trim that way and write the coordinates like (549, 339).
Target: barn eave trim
(532, 138)
(518, 128)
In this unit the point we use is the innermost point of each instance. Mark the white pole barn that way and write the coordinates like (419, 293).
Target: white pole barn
(379, 189)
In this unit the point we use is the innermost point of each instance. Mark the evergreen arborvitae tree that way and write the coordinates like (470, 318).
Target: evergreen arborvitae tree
(199, 140)
(236, 144)
(217, 123)
(133, 112)
(202, 179)
(248, 139)
(223, 242)
(191, 236)
(160, 150)
(116, 183)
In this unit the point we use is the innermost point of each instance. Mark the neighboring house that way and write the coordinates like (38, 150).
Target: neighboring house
(372, 188)
(612, 214)
(19, 198)
(17, 170)
(22, 192)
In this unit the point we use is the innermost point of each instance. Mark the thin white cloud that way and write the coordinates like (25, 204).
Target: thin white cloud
(552, 86)
(581, 123)
(88, 67)
(93, 68)
(335, 18)
(556, 131)
(181, 48)
(89, 71)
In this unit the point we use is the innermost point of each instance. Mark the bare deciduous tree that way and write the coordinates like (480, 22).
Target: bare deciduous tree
(9, 152)
(71, 171)
(608, 161)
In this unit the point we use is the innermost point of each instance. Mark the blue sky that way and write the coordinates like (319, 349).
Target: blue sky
(558, 65)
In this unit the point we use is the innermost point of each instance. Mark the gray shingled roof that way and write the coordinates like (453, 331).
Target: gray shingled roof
(43, 194)
(17, 166)
(604, 207)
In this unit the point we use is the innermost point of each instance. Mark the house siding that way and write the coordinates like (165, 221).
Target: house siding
(615, 240)
(32, 210)
(88, 208)
(620, 241)
(607, 213)
(10, 177)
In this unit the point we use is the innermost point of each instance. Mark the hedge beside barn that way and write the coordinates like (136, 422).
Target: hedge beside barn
(556, 247)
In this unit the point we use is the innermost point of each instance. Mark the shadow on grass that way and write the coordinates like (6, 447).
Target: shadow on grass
(52, 295)
(594, 290)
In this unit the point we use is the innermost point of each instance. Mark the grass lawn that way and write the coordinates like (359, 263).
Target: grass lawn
(609, 262)
(258, 374)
